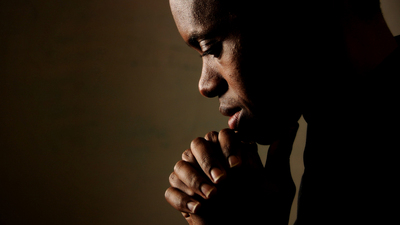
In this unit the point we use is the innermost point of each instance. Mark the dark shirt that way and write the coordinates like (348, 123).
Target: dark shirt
(350, 157)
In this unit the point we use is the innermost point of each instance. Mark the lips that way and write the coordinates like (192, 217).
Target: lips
(234, 112)
(234, 120)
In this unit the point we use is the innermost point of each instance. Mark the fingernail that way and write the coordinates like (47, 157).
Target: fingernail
(207, 190)
(217, 174)
(192, 206)
(234, 161)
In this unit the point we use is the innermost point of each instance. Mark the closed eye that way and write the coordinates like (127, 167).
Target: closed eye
(215, 50)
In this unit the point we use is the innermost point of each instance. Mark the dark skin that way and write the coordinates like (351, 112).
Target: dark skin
(219, 166)
(221, 174)
(203, 197)
(232, 73)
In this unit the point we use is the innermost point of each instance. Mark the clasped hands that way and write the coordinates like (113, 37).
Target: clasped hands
(221, 180)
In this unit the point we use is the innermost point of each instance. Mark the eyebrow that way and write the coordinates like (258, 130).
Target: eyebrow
(194, 40)
(196, 37)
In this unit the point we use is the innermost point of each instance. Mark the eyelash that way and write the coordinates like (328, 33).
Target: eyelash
(214, 50)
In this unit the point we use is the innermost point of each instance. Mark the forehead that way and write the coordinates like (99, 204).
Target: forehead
(196, 16)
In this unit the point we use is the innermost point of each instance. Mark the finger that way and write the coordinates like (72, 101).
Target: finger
(188, 156)
(230, 147)
(188, 218)
(212, 137)
(181, 201)
(209, 158)
(185, 214)
(237, 152)
(192, 179)
(175, 182)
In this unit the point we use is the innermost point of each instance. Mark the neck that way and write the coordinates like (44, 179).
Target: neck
(368, 42)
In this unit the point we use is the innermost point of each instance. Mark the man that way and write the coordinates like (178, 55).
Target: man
(334, 62)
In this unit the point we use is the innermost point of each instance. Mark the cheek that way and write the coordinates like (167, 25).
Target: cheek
(230, 67)
(231, 71)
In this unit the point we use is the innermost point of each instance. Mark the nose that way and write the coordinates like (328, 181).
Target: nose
(211, 83)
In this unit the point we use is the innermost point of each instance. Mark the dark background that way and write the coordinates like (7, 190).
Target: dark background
(98, 101)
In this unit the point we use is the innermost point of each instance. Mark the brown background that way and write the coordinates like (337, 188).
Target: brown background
(98, 100)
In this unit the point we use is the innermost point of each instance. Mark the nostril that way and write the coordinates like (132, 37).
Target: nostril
(206, 90)
(212, 86)
(212, 82)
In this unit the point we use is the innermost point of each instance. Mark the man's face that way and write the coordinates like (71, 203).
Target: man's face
(251, 77)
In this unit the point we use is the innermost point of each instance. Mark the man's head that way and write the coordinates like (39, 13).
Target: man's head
(237, 68)
(255, 57)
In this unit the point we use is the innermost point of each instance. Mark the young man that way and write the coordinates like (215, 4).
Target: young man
(335, 63)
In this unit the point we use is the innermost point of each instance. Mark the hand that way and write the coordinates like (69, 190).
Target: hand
(221, 180)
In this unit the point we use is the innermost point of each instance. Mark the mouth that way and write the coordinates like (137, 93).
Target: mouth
(234, 114)
(233, 121)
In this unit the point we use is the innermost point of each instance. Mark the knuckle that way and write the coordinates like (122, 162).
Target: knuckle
(203, 153)
(179, 165)
(167, 193)
(172, 178)
(196, 143)
(226, 132)
(194, 181)
(212, 136)
(187, 155)
(178, 201)
(186, 215)
(190, 192)
(206, 162)
(226, 137)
